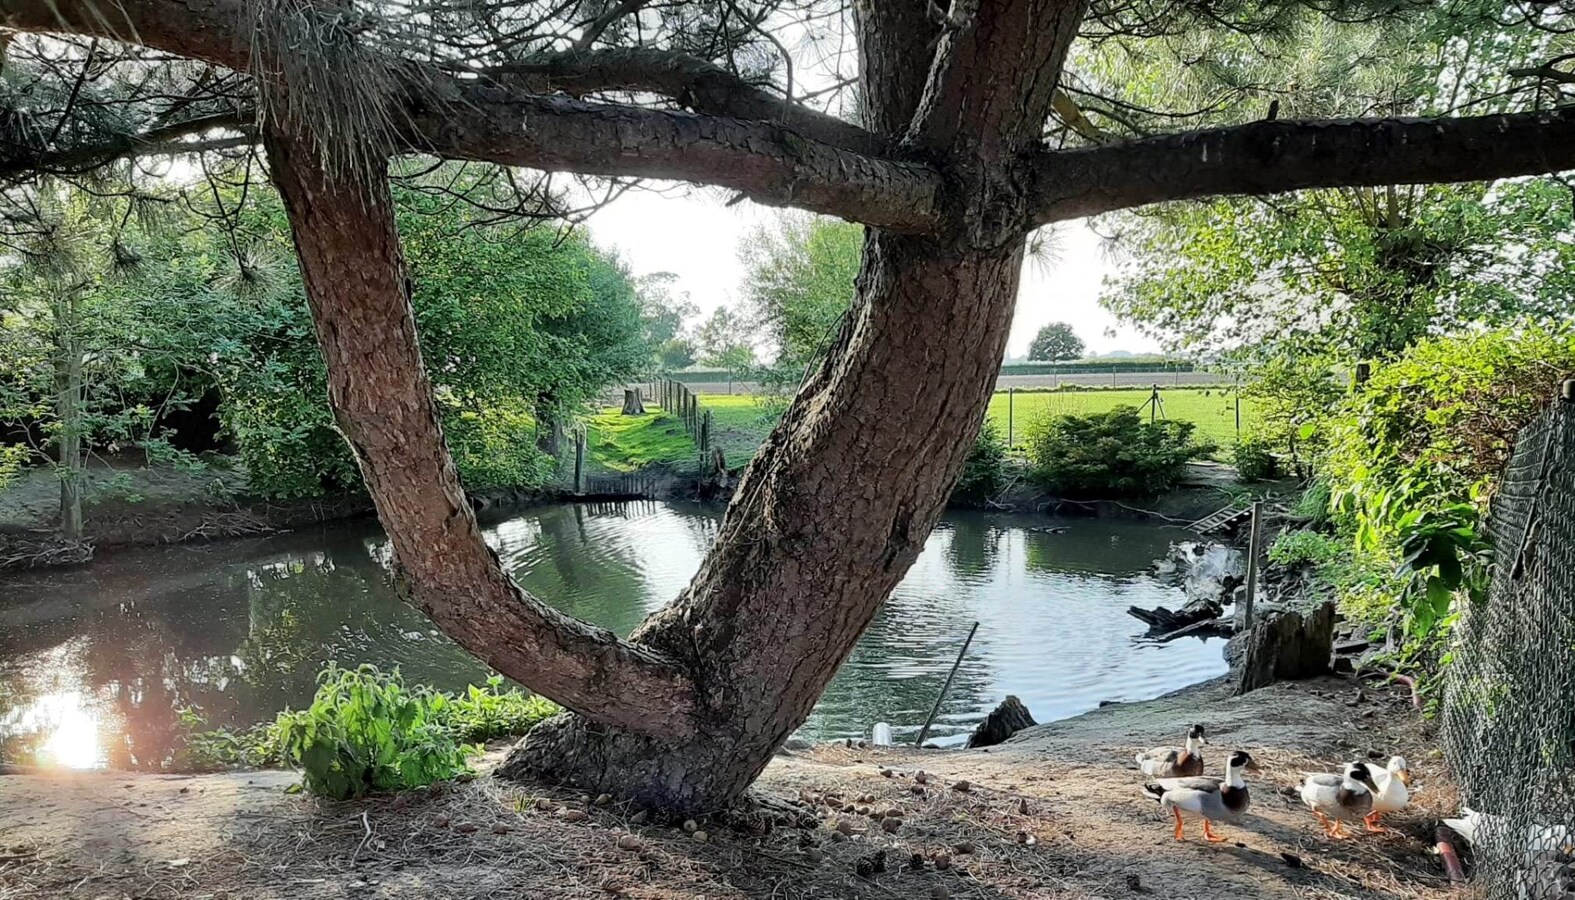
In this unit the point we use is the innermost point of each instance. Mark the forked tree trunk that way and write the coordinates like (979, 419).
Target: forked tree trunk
(793, 580)
(828, 517)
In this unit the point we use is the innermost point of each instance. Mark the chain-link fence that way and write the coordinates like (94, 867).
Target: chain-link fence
(1509, 713)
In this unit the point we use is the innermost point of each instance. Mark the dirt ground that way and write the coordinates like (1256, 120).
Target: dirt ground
(1055, 813)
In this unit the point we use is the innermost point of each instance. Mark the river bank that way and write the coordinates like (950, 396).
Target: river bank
(1055, 812)
(145, 507)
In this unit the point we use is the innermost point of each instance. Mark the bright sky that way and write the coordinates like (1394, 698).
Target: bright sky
(694, 235)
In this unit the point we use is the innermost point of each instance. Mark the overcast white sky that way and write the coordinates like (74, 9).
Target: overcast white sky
(694, 235)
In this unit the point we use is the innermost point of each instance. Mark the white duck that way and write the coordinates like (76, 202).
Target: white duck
(1336, 799)
(1542, 841)
(1210, 799)
(1393, 792)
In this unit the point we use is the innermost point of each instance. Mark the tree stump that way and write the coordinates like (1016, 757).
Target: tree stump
(1287, 647)
(1006, 720)
(632, 406)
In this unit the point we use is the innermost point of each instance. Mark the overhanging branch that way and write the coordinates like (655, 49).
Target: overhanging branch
(466, 118)
(770, 164)
(702, 86)
(1278, 156)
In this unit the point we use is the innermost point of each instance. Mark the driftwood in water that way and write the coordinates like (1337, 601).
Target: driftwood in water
(1006, 720)
(1161, 620)
(1221, 627)
(1288, 647)
(632, 405)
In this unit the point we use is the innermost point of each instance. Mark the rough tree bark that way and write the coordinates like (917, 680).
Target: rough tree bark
(884, 426)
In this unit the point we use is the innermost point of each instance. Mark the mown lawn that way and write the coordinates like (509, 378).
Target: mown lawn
(739, 424)
(1214, 411)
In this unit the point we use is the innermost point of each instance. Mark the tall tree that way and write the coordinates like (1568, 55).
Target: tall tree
(798, 284)
(1055, 342)
(950, 172)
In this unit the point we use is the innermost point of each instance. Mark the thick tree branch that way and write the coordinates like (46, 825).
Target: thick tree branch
(695, 83)
(770, 164)
(1279, 156)
(382, 401)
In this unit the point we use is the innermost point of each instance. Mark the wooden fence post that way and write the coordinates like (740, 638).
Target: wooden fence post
(579, 460)
(1254, 539)
(705, 432)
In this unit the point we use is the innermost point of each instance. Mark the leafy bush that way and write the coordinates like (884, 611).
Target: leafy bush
(984, 474)
(1416, 452)
(485, 713)
(1110, 454)
(1304, 548)
(365, 731)
(497, 448)
(1253, 460)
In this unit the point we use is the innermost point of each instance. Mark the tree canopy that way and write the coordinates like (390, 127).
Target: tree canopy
(1055, 342)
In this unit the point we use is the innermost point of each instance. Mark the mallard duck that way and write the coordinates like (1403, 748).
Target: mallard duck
(1209, 799)
(1175, 762)
(1392, 794)
(1336, 799)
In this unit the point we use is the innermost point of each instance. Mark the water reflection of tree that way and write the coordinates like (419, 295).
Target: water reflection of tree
(971, 544)
(1096, 546)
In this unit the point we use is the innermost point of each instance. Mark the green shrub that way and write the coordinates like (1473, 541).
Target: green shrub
(1304, 548)
(486, 713)
(1313, 504)
(497, 448)
(1110, 454)
(365, 731)
(1253, 460)
(984, 475)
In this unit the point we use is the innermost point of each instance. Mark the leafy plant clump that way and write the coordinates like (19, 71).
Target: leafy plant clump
(984, 474)
(366, 732)
(1305, 548)
(1111, 454)
(1253, 460)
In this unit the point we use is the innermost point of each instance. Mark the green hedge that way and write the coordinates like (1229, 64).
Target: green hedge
(1118, 364)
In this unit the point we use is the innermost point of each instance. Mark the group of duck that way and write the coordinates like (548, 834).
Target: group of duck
(1361, 793)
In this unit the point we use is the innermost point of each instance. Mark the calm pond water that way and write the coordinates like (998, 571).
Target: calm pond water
(94, 663)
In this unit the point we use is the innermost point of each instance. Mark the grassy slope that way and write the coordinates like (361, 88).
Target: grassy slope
(740, 423)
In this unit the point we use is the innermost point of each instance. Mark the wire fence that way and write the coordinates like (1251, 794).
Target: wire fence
(1509, 701)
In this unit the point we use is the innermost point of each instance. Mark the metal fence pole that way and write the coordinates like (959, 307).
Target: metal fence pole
(935, 710)
(1011, 403)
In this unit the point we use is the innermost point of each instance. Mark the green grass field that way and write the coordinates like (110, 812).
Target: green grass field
(617, 443)
(1214, 411)
(739, 424)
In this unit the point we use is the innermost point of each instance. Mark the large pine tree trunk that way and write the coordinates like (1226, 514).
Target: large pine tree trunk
(835, 507)
(794, 577)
